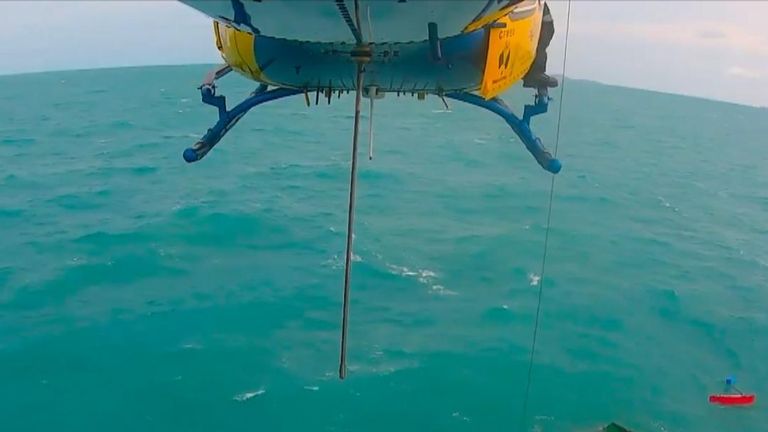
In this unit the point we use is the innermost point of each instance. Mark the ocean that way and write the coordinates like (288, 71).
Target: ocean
(138, 292)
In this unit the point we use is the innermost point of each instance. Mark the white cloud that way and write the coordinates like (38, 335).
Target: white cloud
(741, 72)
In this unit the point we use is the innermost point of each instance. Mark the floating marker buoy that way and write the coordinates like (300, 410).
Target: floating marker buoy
(732, 399)
(738, 398)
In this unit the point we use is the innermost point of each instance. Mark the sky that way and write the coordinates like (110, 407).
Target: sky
(711, 49)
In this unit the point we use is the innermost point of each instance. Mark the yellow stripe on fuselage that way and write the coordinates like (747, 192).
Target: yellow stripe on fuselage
(237, 49)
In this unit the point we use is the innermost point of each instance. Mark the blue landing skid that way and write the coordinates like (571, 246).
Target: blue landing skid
(521, 127)
(228, 119)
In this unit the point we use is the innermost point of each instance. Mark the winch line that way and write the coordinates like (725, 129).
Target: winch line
(546, 232)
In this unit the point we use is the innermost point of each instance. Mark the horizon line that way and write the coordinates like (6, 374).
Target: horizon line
(573, 78)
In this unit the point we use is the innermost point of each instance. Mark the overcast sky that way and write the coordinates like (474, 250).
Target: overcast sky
(713, 49)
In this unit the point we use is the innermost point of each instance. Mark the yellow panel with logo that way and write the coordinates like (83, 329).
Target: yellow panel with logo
(511, 49)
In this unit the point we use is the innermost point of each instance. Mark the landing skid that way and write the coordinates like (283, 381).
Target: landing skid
(228, 118)
(521, 126)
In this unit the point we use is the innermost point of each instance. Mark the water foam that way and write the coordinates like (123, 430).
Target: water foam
(423, 276)
(242, 397)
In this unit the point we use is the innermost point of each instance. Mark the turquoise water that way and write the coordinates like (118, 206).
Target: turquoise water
(141, 293)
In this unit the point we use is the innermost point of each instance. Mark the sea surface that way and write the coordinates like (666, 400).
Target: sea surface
(141, 293)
